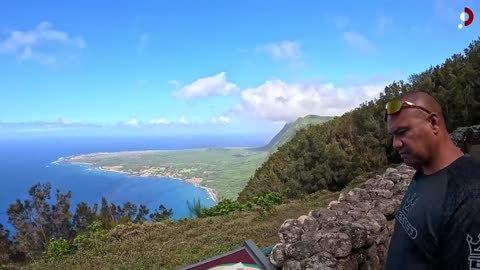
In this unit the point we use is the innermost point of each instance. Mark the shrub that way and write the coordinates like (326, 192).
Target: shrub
(59, 249)
(263, 203)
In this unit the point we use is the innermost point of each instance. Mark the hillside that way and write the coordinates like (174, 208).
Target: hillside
(290, 129)
(328, 156)
(174, 245)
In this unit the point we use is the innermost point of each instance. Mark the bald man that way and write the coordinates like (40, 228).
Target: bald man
(438, 223)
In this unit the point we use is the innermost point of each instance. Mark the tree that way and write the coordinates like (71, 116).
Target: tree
(142, 212)
(32, 219)
(36, 222)
(6, 246)
(62, 226)
(107, 214)
(127, 213)
(161, 214)
(195, 208)
(84, 216)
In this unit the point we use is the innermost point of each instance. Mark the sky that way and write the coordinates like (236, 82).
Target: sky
(210, 67)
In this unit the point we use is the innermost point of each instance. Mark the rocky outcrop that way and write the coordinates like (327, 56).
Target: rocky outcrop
(352, 233)
(465, 137)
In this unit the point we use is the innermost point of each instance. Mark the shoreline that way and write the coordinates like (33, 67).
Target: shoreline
(66, 158)
(213, 194)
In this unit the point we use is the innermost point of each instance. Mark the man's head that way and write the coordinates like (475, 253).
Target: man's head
(418, 129)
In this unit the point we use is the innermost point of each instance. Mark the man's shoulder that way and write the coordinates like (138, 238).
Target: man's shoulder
(465, 171)
(463, 181)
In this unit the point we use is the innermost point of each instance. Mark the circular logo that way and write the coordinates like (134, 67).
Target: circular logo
(463, 17)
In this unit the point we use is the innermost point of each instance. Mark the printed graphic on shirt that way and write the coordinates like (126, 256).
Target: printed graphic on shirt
(474, 258)
(402, 217)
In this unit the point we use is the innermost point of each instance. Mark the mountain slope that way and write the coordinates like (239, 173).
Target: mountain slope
(290, 129)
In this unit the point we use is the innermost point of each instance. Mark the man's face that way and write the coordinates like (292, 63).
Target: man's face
(412, 136)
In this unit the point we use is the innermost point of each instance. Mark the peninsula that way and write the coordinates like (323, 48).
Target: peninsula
(223, 172)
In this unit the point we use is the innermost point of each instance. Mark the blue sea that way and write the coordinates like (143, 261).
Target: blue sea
(26, 161)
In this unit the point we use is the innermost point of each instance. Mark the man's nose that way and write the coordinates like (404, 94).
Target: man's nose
(397, 143)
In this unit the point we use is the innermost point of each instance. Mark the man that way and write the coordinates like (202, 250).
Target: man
(438, 223)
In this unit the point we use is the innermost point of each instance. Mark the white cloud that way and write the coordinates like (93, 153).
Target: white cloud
(283, 50)
(55, 124)
(63, 121)
(359, 41)
(280, 101)
(26, 45)
(160, 121)
(182, 120)
(213, 85)
(221, 120)
(143, 42)
(224, 120)
(132, 122)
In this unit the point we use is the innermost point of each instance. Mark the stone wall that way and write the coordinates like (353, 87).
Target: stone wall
(352, 233)
(465, 137)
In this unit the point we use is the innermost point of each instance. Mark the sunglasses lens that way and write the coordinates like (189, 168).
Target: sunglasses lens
(393, 106)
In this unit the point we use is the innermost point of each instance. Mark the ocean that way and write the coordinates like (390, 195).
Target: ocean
(27, 161)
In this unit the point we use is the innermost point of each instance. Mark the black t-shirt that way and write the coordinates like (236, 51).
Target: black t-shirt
(438, 223)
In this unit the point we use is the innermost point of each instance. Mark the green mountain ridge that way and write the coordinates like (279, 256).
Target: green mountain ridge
(290, 129)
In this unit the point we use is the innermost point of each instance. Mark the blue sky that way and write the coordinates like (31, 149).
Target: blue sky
(222, 67)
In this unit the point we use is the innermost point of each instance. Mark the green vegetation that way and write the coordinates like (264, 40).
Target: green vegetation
(290, 129)
(59, 248)
(161, 214)
(262, 204)
(224, 170)
(171, 245)
(330, 155)
(48, 236)
(7, 251)
(94, 239)
(43, 227)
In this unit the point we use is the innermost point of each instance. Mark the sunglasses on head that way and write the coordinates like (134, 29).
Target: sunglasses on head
(395, 106)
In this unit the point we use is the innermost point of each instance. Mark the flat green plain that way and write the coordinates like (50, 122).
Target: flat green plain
(225, 170)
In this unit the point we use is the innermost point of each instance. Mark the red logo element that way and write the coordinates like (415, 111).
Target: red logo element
(470, 16)
(466, 22)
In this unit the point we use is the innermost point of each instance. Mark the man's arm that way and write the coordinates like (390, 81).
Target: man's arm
(460, 248)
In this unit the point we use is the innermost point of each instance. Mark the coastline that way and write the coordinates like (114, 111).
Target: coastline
(149, 151)
(196, 181)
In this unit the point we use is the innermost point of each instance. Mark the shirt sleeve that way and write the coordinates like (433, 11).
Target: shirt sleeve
(460, 247)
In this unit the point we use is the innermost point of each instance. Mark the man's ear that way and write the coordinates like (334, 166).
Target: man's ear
(434, 122)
